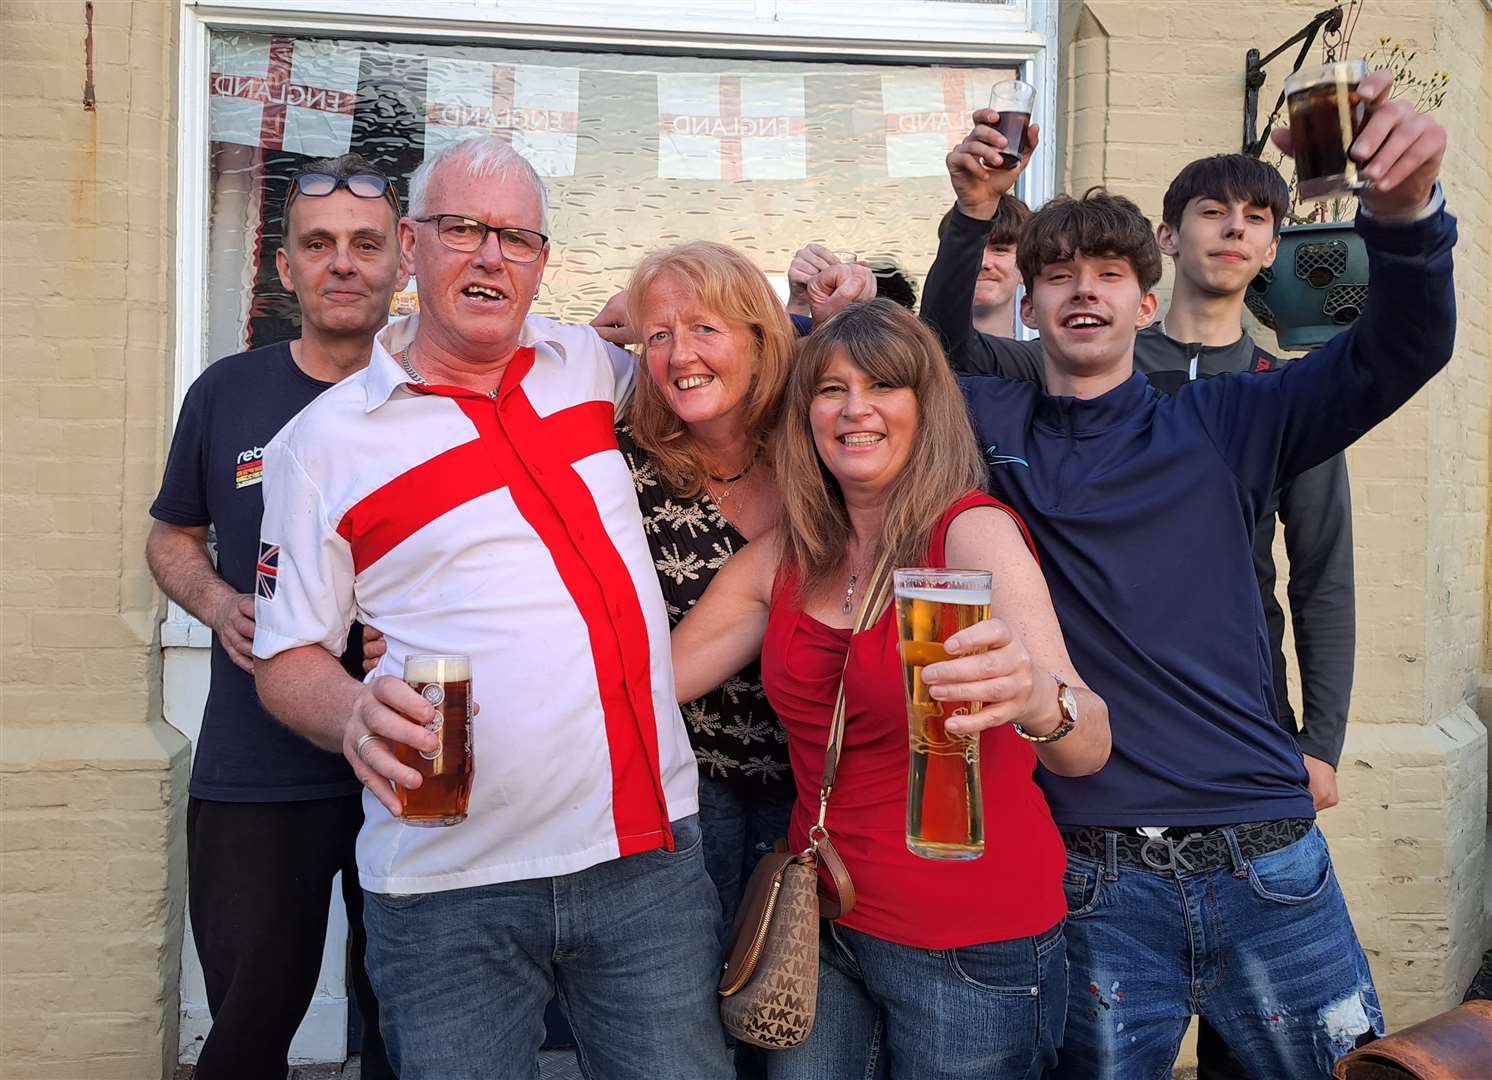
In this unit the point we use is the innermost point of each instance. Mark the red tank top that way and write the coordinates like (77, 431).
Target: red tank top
(1013, 890)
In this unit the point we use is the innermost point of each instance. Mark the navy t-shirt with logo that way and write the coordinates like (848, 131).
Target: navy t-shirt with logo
(213, 477)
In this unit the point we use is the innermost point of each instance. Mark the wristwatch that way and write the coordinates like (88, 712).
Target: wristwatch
(1067, 705)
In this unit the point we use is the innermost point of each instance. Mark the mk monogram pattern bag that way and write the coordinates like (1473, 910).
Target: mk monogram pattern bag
(769, 985)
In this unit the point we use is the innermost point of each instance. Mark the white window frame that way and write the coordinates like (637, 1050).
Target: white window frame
(911, 31)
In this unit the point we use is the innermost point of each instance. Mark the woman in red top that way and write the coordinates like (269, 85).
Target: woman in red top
(942, 969)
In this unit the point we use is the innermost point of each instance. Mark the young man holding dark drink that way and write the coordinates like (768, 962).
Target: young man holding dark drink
(995, 287)
(1196, 880)
(271, 819)
(1220, 226)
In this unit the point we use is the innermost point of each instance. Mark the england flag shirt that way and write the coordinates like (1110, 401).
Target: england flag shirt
(506, 528)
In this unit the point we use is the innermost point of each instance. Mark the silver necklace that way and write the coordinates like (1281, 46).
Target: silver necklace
(418, 379)
(848, 606)
(849, 595)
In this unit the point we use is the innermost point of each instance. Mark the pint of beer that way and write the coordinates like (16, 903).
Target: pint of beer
(445, 682)
(945, 808)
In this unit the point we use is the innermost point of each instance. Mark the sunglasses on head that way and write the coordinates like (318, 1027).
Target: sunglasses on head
(315, 185)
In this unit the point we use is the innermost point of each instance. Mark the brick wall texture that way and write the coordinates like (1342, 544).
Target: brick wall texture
(92, 783)
(1149, 86)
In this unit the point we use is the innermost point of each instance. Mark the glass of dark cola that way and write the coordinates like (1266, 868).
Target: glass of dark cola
(1012, 99)
(1326, 114)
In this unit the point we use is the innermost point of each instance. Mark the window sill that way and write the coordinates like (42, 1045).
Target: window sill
(185, 633)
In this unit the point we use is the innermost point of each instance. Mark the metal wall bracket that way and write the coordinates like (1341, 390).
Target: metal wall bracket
(1253, 76)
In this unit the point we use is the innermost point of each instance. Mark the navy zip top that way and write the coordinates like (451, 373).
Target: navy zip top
(1143, 507)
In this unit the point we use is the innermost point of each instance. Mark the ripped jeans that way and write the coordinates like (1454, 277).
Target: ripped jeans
(1264, 949)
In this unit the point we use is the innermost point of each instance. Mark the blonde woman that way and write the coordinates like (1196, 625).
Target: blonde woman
(942, 969)
(716, 346)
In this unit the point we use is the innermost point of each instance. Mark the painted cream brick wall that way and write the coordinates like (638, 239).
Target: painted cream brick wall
(1152, 85)
(92, 782)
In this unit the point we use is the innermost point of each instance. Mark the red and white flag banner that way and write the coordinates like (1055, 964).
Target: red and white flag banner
(731, 127)
(537, 109)
(282, 94)
(928, 113)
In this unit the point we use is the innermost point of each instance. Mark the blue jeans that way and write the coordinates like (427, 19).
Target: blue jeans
(629, 946)
(893, 1012)
(738, 830)
(1263, 948)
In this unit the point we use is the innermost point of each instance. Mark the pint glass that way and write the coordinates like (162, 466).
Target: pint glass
(1326, 114)
(945, 808)
(445, 682)
(1012, 99)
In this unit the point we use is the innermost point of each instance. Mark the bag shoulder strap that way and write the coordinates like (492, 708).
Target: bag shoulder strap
(870, 612)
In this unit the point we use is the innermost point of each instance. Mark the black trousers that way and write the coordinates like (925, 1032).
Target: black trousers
(1214, 1060)
(259, 885)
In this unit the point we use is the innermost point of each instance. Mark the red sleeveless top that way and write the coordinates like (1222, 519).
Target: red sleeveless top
(1013, 890)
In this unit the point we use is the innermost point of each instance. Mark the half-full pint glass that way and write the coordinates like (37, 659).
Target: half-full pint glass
(1012, 99)
(441, 798)
(945, 808)
(1326, 114)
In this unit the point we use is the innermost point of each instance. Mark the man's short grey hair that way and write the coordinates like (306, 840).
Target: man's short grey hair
(485, 156)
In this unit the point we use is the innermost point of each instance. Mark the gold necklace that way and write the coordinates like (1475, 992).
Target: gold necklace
(730, 485)
(719, 500)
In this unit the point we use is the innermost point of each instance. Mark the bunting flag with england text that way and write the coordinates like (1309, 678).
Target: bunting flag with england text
(731, 127)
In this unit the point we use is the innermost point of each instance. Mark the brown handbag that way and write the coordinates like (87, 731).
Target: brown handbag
(769, 984)
(1455, 1045)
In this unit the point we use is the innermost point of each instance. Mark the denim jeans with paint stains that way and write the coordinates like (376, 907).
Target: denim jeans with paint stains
(1264, 949)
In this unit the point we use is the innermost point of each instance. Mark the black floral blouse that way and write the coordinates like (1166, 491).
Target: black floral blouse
(737, 738)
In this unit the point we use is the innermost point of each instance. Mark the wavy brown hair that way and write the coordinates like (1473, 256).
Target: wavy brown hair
(892, 346)
(731, 286)
(1099, 225)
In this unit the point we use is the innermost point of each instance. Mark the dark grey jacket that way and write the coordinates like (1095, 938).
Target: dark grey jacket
(1314, 506)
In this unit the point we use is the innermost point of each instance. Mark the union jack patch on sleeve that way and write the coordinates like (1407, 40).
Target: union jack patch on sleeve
(266, 570)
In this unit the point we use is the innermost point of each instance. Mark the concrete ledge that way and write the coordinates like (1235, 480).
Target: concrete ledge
(63, 746)
(1409, 842)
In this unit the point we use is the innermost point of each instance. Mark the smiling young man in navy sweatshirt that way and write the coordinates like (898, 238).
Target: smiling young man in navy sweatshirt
(1220, 226)
(1196, 880)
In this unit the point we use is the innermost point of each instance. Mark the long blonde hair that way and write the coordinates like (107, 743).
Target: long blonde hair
(729, 284)
(891, 346)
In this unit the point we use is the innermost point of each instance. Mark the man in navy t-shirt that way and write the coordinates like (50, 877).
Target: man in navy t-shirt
(271, 818)
(1196, 880)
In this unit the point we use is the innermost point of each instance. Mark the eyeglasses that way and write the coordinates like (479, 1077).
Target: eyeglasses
(316, 185)
(460, 233)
